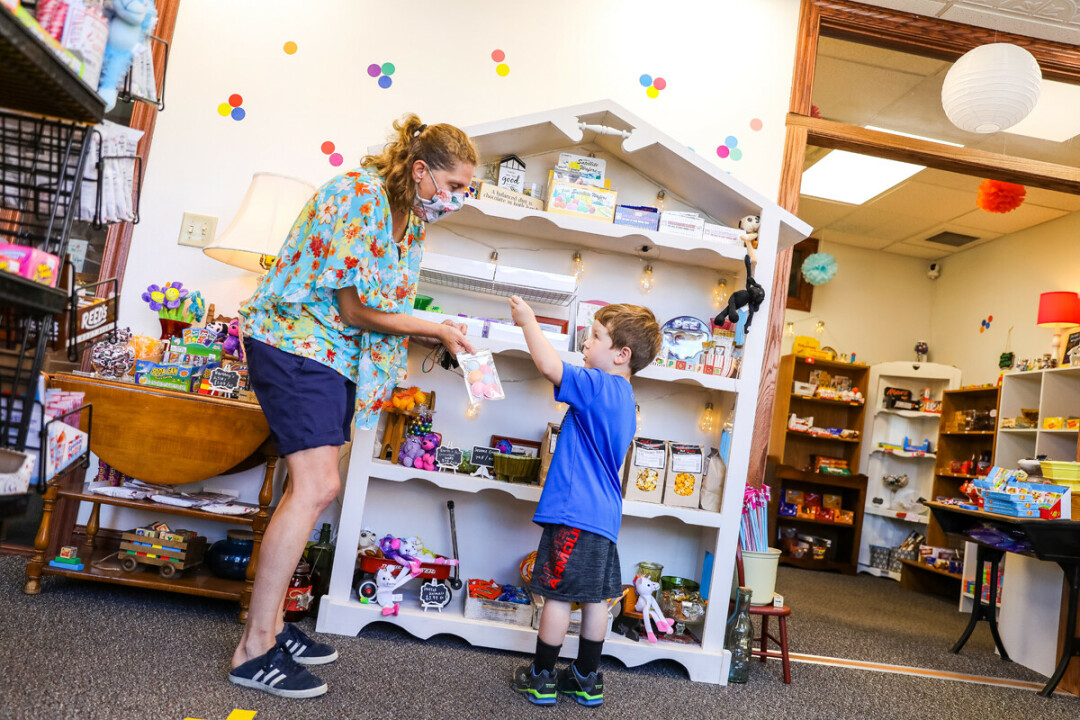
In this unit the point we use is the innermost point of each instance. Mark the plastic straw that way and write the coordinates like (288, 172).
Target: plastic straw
(753, 534)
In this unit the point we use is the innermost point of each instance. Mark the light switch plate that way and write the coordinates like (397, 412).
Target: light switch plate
(197, 230)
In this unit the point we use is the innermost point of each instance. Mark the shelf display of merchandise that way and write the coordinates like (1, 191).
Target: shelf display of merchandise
(683, 479)
(904, 409)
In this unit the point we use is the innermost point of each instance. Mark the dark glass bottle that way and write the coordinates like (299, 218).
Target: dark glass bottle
(298, 596)
(740, 638)
(321, 558)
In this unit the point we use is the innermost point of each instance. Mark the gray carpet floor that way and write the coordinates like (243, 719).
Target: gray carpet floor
(101, 652)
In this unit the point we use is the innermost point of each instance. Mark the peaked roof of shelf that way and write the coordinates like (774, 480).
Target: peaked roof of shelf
(673, 166)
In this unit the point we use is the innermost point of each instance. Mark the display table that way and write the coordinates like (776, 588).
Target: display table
(206, 436)
(1056, 541)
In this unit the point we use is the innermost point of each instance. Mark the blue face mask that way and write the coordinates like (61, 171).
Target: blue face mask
(441, 204)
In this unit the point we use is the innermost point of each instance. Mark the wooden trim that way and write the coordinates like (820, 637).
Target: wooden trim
(968, 161)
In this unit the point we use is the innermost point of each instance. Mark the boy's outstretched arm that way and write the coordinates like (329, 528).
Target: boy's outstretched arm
(543, 354)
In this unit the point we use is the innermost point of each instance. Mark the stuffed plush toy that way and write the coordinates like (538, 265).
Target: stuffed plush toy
(411, 452)
(386, 583)
(369, 543)
(648, 607)
(233, 347)
(750, 226)
(400, 551)
(129, 25)
(750, 298)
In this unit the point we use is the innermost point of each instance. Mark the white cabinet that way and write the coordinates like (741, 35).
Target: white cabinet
(888, 522)
(494, 518)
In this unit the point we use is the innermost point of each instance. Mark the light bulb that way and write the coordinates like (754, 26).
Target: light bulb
(472, 410)
(789, 329)
(561, 407)
(577, 266)
(647, 281)
(820, 327)
(720, 294)
(708, 419)
(640, 417)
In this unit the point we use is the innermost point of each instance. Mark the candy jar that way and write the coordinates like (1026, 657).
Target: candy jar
(298, 596)
(740, 638)
(653, 571)
(113, 358)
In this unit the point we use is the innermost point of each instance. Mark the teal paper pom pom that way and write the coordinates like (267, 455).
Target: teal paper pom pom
(819, 268)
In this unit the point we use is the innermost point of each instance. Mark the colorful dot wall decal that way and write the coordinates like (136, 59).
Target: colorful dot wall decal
(652, 85)
(755, 124)
(232, 108)
(501, 68)
(984, 325)
(289, 48)
(383, 72)
(730, 149)
(335, 157)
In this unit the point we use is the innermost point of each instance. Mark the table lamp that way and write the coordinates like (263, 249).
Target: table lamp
(1058, 310)
(262, 224)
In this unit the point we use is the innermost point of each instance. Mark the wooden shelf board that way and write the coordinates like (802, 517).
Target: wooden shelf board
(825, 523)
(831, 363)
(827, 401)
(975, 390)
(903, 453)
(827, 438)
(907, 413)
(76, 493)
(961, 476)
(912, 517)
(956, 433)
(194, 581)
(927, 568)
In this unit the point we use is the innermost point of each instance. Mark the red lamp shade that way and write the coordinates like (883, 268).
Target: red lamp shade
(1059, 309)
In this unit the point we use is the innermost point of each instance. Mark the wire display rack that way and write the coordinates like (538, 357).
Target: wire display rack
(23, 339)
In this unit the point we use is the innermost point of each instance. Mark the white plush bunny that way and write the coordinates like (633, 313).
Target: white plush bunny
(386, 583)
(649, 608)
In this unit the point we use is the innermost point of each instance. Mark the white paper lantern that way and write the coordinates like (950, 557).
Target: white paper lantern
(991, 88)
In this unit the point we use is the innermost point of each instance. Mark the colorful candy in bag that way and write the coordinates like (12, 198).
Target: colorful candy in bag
(481, 377)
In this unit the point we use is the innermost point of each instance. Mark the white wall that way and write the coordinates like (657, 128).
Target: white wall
(1002, 278)
(877, 306)
(719, 77)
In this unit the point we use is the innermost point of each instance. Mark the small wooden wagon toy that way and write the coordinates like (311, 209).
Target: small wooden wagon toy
(172, 551)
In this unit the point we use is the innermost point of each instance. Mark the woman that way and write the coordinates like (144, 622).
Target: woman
(326, 334)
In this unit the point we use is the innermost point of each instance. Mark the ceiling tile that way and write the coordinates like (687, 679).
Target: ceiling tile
(864, 241)
(864, 91)
(920, 237)
(1052, 199)
(919, 251)
(1012, 23)
(1022, 218)
(944, 178)
(820, 213)
(932, 202)
(868, 220)
(862, 54)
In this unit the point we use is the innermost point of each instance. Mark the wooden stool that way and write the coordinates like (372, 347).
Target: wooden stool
(765, 612)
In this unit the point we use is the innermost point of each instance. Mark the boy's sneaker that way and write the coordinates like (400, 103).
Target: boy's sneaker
(277, 673)
(538, 688)
(303, 649)
(587, 690)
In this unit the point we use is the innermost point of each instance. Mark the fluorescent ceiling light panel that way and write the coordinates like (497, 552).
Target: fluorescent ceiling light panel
(917, 137)
(1054, 117)
(851, 178)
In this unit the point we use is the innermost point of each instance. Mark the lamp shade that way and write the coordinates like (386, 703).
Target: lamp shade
(262, 224)
(991, 88)
(1059, 309)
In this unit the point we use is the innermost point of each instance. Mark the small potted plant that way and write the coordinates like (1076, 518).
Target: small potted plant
(177, 308)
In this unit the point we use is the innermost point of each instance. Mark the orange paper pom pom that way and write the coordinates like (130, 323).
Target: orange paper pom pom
(999, 197)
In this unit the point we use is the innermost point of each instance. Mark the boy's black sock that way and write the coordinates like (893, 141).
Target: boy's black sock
(588, 656)
(546, 655)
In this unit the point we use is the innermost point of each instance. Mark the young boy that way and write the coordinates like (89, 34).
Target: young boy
(581, 506)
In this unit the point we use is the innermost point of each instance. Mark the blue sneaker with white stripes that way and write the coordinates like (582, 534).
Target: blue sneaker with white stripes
(303, 649)
(277, 673)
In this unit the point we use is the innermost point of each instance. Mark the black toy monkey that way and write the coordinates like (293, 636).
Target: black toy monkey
(752, 297)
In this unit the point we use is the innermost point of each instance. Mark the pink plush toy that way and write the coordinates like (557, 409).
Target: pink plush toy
(400, 551)
(233, 346)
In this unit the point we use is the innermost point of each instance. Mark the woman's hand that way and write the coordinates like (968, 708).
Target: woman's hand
(521, 312)
(452, 336)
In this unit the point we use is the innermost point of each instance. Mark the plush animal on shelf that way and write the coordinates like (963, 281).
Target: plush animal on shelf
(400, 551)
(412, 452)
(386, 582)
(233, 347)
(422, 553)
(129, 25)
(405, 400)
(648, 607)
(743, 303)
(369, 543)
(750, 226)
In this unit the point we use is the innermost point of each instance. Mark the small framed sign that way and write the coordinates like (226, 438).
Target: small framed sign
(225, 381)
(434, 594)
(448, 457)
(483, 456)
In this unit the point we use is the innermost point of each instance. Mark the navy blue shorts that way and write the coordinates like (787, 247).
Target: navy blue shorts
(306, 403)
(575, 565)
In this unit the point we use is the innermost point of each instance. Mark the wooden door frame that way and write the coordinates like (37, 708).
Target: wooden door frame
(906, 32)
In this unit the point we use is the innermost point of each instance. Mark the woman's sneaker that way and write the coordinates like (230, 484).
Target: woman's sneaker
(537, 687)
(587, 690)
(277, 673)
(303, 649)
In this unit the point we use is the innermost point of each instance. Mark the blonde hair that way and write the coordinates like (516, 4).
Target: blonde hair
(634, 327)
(440, 146)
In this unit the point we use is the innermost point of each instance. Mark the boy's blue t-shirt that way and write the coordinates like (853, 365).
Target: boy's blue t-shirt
(583, 489)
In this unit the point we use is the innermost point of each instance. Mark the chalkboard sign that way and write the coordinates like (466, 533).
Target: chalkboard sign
(448, 457)
(227, 380)
(434, 594)
(483, 456)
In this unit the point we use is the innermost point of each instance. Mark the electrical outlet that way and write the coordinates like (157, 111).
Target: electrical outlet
(197, 230)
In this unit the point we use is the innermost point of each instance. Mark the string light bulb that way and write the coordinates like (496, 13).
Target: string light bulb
(577, 265)
(820, 327)
(561, 407)
(720, 294)
(640, 417)
(647, 280)
(472, 410)
(708, 419)
(789, 329)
